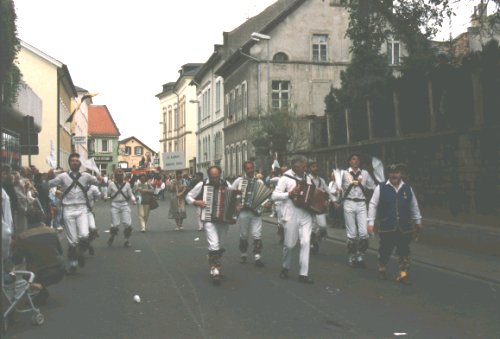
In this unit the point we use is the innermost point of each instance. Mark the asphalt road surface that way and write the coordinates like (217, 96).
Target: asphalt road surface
(169, 271)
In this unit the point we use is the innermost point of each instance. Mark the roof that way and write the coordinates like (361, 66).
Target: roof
(268, 19)
(124, 141)
(187, 70)
(101, 122)
(79, 89)
(234, 39)
(65, 76)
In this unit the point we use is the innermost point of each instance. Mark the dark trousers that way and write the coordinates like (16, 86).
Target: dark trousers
(389, 241)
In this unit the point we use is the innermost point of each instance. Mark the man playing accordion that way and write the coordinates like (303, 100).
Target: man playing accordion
(216, 230)
(297, 221)
(250, 220)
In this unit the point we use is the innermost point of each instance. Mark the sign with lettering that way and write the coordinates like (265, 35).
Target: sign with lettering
(173, 161)
(103, 158)
(77, 140)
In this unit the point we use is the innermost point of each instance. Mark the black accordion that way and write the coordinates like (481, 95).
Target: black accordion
(254, 194)
(221, 205)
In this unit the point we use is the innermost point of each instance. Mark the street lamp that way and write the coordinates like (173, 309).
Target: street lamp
(258, 37)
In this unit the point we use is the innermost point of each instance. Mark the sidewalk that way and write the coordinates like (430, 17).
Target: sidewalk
(427, 250)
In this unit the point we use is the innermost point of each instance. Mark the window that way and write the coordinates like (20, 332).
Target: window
(164, 147)
(280, 95)
(105, 145)
(176, 113)
(200, 108)
(170, 119)
(170, 146)
(319, 47)
(127, 150)
(393, 52)
(244, 98)
(176, 146)
(138, 150)
(237, 94)
(226, 108)
(103, 168)
(280, 56)
(218, 89)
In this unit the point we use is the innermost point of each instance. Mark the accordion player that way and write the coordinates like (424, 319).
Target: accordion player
(222, 204)
(254, 194)
(311, 198)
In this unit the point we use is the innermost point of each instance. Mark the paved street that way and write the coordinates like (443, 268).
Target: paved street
(169, 271)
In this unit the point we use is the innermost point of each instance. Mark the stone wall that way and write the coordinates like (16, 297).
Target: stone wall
(456, 175)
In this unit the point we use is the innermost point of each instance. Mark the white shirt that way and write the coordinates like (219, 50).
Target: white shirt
(191, 197)
(76, 195)
(127, 191)
(280, 193)
(356, 191)
(373, 206)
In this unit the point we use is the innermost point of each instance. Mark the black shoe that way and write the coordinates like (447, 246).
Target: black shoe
(91, 250)
(284, 273)
(306, 279)
(72, 270)
(382, 275)
(81, 260)
(216, 279)
(314, 249)
(243, 259)
(110, 241)
(259, 263)
(361, 264)
(126, 244)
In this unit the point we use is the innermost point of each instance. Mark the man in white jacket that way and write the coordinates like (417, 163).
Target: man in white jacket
(297, 221)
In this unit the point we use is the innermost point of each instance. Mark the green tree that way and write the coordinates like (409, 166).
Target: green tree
(9, 47)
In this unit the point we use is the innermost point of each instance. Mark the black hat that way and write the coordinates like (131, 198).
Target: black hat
(395, 168)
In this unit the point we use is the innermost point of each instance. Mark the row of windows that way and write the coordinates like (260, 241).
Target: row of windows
(319, 49)
(237, 102)
(205, 101)
(235, 156)
(205, 148)
(138, 150)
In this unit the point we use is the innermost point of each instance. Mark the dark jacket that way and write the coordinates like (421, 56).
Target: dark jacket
(394, 209)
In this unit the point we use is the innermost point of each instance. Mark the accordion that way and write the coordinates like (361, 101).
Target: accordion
(311, 198)
(221, 205)
(254, 194)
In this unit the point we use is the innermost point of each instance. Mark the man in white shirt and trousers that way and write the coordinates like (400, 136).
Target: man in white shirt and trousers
(394, 203)
(76, 206)
(297, 221)
(215, 231)
(319, 220)
(120, 194)
(249, 221)
(355, 183)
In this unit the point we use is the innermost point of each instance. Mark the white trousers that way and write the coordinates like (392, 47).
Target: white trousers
(319, 221)
(298, 228)
(279, 212)
(200, 222)
(120, 214)
(355, 214)
(250, 223)
(216, 234)
(76, 222)
(91, 221)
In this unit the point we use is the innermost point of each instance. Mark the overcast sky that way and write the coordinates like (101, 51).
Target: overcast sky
(126, 50)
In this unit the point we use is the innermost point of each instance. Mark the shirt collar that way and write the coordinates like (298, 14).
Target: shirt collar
(352, 170)
(388, 182)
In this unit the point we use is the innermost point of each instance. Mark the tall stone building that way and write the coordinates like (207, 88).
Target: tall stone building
(178, 121)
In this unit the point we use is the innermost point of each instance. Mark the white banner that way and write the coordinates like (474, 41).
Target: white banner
(174, 161)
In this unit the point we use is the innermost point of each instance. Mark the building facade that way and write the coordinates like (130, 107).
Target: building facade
(80, 122)
(103, 137)
(288, 64)
(210, 99)
(133, 153)
(13, 125)
(52, 82)
(178, 121)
